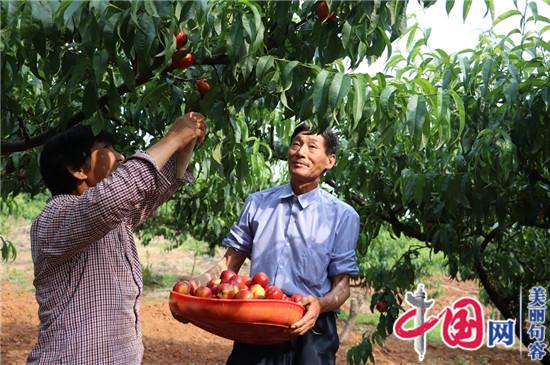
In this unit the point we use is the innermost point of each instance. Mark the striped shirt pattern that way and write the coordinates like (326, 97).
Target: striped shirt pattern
(87, 272)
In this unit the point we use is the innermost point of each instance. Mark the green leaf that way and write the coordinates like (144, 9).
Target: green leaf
(443, 117)
(385, 97)
(284, 101)
(334, 89)
(248, 26)
(534, 10)
(416, 112)
(419, 188)
(113, 97)
(459, 104)
(99, 62)
(265, 63)
(98, 123)
(89, 101)
(150, 8)
(344, 89)
(319, 103)
(346, 34)
(505, 16)
(258, 40)
(410, 38)
(145, 35)
(217, 153)
(287, 75)
(358, 98)
(236, 40)
(42, 11)
(126, 73)
(511, 91)
(98, 6)
(490, 8)
(487, 71)
(69, 12)
(466, 9)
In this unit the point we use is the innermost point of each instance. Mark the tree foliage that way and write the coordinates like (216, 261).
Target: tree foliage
(451, 149)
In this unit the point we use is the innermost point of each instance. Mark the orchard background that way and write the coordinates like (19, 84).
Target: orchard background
(451, 150)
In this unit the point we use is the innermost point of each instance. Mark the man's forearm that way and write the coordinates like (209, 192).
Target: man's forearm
(167, 146)
(337, 296)
(183, 156)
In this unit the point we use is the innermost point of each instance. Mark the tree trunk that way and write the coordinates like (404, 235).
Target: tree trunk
(356, 302)
(502, 305)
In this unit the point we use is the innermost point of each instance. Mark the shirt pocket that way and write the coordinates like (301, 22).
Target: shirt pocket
(314, 261)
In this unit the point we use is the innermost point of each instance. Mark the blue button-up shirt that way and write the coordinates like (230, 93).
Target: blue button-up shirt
(299, 241)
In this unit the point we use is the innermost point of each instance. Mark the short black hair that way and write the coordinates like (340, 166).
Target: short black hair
(331, 139)
(70, 148)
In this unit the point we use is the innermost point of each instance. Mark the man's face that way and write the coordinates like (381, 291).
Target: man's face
(307, 157)
(104, 159)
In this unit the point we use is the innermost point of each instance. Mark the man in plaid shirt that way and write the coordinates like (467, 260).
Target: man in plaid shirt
(87, 272)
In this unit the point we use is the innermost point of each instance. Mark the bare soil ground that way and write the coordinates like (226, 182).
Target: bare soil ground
(167, 341)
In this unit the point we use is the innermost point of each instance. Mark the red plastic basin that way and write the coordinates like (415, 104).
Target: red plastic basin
(252, 321)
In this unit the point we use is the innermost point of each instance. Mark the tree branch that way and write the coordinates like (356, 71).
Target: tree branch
(24, 130)
(489, 238)
(410, 231)
(8, 147)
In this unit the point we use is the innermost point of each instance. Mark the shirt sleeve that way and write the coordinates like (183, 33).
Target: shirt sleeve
(148, 207)
(132, 189)
(241, 235)
(343, 260)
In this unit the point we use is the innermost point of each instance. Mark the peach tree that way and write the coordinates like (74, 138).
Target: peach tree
(451, 149)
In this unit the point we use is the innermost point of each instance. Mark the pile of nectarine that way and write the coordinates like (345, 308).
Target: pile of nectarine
(232, 286)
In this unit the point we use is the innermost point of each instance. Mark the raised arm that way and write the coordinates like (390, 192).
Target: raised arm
(175, 168)
(77, 221)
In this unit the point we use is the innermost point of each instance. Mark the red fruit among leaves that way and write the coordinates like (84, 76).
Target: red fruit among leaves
(182, 61)
(323, 14)
(21, 175)
(181, 39)
(382, 306)
(202, 87)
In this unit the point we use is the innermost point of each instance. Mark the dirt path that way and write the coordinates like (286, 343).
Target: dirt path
(169, 342)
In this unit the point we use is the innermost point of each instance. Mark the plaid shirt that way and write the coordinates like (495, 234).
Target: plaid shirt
(87, 272)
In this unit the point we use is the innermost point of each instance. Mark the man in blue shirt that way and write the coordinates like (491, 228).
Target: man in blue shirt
(304, 239)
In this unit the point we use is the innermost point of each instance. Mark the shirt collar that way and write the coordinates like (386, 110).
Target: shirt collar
(304, 199)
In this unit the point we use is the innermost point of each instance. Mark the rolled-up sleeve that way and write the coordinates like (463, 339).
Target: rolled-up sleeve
(168, 186)
(343, 260)
(131, 193)
(241, 234)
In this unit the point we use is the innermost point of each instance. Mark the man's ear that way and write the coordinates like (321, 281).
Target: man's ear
(78, 174)
(331, 160)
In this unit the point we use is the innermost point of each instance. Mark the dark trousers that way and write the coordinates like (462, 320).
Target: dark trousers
(318, 346)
